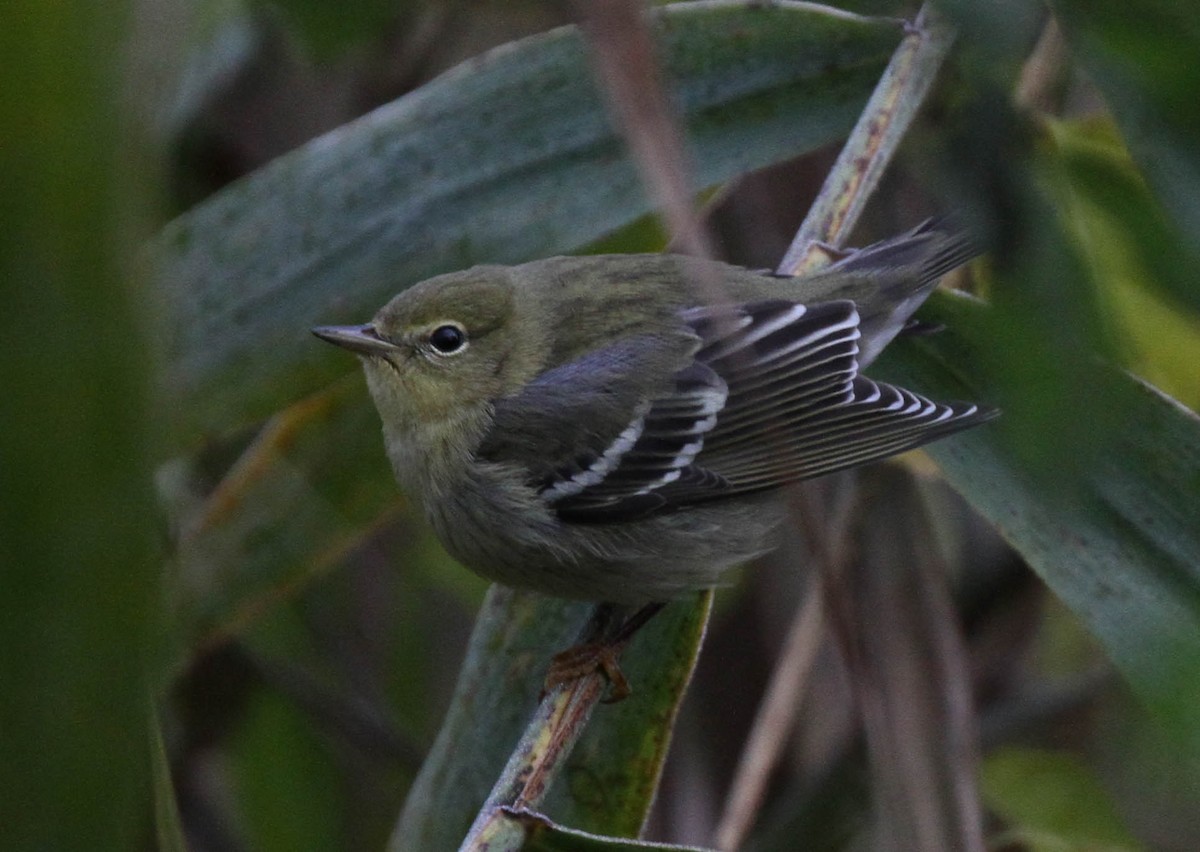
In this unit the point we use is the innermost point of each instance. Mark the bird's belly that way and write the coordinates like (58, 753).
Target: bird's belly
(508, 536)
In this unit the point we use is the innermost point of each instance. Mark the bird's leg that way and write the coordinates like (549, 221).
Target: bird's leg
(599, 649)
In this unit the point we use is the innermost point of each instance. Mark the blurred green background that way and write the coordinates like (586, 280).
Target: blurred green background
(206, 569)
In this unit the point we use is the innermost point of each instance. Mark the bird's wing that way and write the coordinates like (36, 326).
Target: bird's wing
(611, 427)
(889, 280)
(797, 407)
(923, 254)
(768, 393)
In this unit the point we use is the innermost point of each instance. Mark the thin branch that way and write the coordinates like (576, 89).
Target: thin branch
(552, 733)
(559, 721)
(774, 720)
(830, 220)
(908, 670)
(872, 144)
(780, 706)
(1044, 75)
(623, 57)
(272, 441)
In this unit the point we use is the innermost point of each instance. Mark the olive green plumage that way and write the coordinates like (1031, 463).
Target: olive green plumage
(614, 428)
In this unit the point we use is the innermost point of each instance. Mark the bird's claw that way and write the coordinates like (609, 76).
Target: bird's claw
(585, 659)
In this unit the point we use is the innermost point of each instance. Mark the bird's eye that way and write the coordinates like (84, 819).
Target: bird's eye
(448, 339)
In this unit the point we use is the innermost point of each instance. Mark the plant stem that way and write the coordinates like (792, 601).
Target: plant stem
(871, 144)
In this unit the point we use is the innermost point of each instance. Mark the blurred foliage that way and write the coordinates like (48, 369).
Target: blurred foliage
(326, 28)
(316, 629)
(1139, 55)
(1052, 801)
(78, 549)
(1143, 267)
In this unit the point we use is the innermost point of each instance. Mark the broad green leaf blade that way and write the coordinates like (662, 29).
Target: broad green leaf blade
(503, 159)
(79, 558)
(1142, 57)
(284, 778)
(1118, 540)
(1110, 203)
(1134, 253)
(497, 692)
(1052, 802)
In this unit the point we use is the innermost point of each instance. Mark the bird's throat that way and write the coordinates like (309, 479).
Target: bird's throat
(429, 458)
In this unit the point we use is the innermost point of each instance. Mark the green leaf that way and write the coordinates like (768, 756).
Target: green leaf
(1140, 264)
(503, 159)
(1115, 214)
(312, 488)
(79, 556)
(610, 780)
(1052, 802)
(285, 779)
(1117, 538)
(1142, 57)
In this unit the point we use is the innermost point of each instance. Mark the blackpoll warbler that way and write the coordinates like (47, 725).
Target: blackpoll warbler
(590, 427)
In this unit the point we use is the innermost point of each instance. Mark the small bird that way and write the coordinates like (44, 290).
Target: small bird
(611, 429)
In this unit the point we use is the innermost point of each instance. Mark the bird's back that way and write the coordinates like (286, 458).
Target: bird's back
(638, 293)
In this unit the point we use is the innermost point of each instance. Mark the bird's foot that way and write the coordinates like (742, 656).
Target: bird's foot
(601, 654)
(588, 658)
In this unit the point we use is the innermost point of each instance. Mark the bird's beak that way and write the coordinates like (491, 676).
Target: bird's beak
(360, 339)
